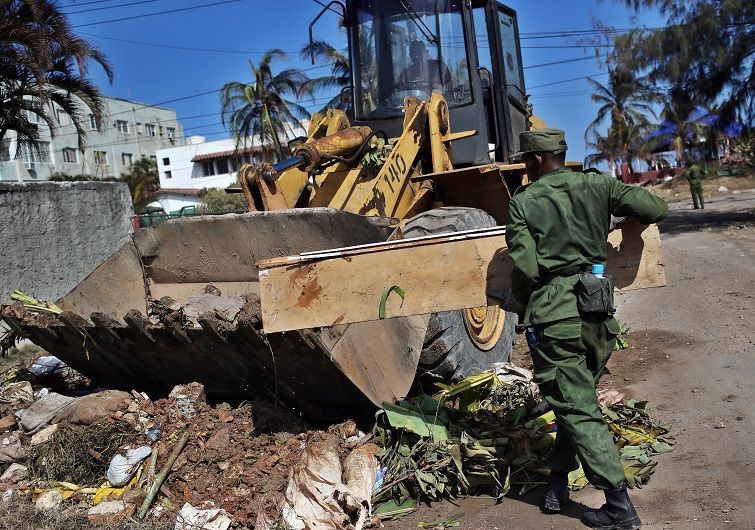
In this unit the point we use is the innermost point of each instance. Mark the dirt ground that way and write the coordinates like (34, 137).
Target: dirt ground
(677, 190)
(692, 356)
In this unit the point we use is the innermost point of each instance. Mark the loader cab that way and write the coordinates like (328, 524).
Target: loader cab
(467, 50)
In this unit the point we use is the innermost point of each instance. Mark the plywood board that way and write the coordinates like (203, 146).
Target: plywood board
(436, 273)
(635, 257)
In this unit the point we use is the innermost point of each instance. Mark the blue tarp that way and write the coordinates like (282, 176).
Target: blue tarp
(701, 116)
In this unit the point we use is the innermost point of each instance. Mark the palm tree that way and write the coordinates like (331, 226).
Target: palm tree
(339, 78)
(43, 62)
(260, 110)
(143, 182)
(625, 101)
(678, 112)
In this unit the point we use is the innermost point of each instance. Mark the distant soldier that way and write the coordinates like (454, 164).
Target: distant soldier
(695, 176)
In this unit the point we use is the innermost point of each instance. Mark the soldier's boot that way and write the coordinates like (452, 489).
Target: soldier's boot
(617, 513)
(557, 496)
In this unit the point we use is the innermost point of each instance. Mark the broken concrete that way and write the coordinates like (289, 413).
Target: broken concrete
(110, 512)
(99, 406)
(49, 500)
(55, 233)
(14, 473)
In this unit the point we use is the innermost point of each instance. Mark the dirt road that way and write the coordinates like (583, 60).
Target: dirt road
(693, 357)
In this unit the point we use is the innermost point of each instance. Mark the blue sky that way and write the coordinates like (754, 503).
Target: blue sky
(155, 74)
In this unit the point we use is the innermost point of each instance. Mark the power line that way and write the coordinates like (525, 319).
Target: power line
(568, 80)
(157, 13)
(559, 46)
(79, 4)
(108, 7)
(564, 61)
(186, 48)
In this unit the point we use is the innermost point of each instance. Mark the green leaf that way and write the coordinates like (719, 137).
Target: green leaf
(424, 417)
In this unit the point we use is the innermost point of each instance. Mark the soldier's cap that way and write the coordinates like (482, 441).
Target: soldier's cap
(540, 141)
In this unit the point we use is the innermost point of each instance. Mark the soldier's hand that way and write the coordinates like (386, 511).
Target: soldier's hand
(506, 300)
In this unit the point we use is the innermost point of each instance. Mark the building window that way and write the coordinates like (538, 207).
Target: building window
(121, 126)
(4, 149)
(139, 128)
(168, 175)
(150, 128)
(166, 161)
(60, 115)
(222, 165)
(208, 168)
(100, 158)
(32, 156)
(161, 130)
(153, 157)
(127, 159)
(94, 123)
(171, 132)
(69, 155)
(233, 164)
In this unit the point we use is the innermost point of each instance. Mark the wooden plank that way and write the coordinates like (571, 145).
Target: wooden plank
(635, 256)
(437, 273)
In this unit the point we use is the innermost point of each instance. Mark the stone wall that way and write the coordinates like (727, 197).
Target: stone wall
(54, 234)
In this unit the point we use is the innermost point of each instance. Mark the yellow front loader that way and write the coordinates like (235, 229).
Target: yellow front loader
(181, 303)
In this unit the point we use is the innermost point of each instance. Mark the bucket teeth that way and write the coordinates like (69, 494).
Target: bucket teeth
(136, 321)
(107, 325)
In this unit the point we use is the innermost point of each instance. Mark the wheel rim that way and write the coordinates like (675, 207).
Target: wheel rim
(485, 325)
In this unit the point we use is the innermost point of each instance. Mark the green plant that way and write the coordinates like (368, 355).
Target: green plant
(217, 200)
(143, 182)
(43, 62)
(260, 110)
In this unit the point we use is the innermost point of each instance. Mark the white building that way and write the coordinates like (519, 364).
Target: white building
(128, 131)
(188, 169)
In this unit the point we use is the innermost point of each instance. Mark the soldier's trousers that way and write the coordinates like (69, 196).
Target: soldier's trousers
(569, 356)
(697, 197)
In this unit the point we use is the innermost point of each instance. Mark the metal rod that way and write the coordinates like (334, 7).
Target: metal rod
(288, 163)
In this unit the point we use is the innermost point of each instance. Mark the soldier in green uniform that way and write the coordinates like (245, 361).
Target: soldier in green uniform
(557, 228)
(695, 176)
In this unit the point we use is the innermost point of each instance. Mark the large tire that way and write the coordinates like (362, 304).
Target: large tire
(449, 353)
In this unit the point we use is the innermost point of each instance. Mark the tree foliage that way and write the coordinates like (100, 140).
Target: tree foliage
(143, 182)
(338, 79)
(43, 62)
(217, 200)
(706, 52)
(259, 110)
(624, 103)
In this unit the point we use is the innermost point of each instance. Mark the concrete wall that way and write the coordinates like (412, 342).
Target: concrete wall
(54, 234)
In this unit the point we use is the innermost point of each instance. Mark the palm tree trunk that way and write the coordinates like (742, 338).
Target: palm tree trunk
(276, 140)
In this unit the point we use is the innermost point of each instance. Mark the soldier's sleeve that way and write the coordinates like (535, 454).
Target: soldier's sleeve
(636, 202)
(522, 250)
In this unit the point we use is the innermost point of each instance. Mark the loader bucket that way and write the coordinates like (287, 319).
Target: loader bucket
(180, 303)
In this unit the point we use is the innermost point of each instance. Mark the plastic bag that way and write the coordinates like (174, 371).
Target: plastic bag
(123, 467)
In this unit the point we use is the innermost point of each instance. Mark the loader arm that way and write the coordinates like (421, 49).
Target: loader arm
(344, 184)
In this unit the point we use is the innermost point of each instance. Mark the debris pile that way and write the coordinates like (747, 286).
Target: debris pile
(488, 434)
(180, 461)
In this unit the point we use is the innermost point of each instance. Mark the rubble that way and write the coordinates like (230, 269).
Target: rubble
(97, 407)
(191, 518)
(44, 435)
(259, 466)
(49, 500)
(18, 392)
(14, 473)
(110, 512)
(51, 408)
